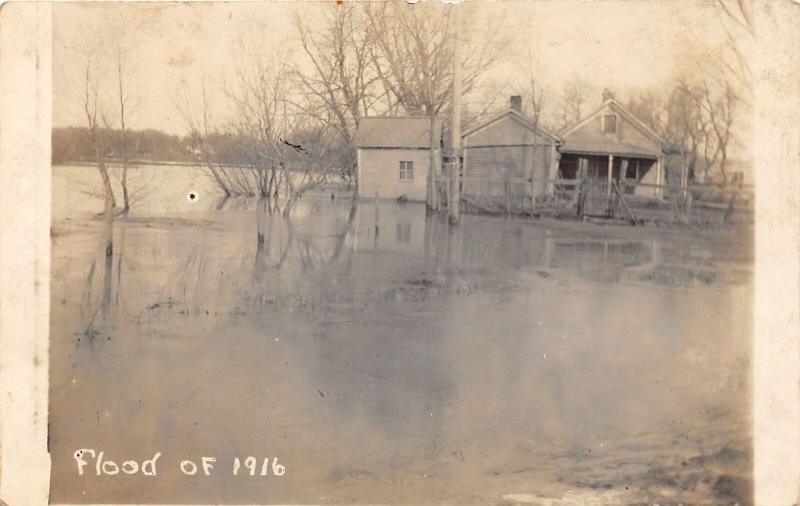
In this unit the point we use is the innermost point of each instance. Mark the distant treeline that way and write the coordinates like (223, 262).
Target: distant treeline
(75, 144)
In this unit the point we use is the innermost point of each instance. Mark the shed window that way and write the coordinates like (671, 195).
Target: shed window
(406, 170)
(610, 123)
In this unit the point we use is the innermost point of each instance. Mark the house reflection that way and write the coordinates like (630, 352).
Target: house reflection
(327, 253)
(403, 232)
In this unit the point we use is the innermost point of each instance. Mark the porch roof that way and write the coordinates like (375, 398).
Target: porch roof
(605, 148)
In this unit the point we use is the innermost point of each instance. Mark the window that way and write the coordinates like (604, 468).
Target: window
(609, 123)
(406, 170)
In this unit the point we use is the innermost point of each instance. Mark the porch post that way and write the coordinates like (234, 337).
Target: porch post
(659, 178)
(553, 170)
(610, 172)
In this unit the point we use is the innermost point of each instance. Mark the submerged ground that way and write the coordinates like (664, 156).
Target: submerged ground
(505, 361)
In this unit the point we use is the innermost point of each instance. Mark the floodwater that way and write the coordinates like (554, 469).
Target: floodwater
(384, 357)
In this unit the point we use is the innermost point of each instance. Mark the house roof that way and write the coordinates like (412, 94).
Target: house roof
(396, 132)
(624, 113)
(516, 115)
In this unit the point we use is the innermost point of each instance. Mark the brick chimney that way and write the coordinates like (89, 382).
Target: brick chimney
(516, 102)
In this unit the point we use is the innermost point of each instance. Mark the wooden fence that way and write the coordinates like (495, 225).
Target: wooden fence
(628, 200)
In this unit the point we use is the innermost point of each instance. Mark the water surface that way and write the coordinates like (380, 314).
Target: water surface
(385, 357)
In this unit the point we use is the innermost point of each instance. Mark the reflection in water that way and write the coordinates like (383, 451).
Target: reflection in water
(403, 233)
(438, 363)
(107, 279)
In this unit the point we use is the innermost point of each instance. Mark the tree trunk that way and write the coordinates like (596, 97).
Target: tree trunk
(108, 203)
(125, 197)
(261, 217)
(108, 210)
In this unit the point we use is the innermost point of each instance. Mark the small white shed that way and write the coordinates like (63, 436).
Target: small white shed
(394, 156)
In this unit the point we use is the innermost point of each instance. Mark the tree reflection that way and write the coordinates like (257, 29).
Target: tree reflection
(89, 309)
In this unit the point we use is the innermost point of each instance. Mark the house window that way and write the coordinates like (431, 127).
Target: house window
(406, 170)
(609, 123)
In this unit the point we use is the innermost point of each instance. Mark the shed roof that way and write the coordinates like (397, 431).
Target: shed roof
(396, 132)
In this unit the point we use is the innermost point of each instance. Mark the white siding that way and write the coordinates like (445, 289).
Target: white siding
(379, 170)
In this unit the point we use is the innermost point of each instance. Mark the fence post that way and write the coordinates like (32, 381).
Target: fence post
(578, 193)
(729, 210)
(533, 184)
(689, 199)
(508, 196)
(377, 216)
(627, 208)
(675, 213)
(448, 189)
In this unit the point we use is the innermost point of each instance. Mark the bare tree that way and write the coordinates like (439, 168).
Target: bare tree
(93, 110)
(688, 130)
(716, 88)
(532, 87)
(341, 88)
(736, 18)
(720, 113)
(699, 122)
(414, 51)
(412, 59)
(575, 96)
(125, 102)
(696, 120)
(261, 118)
(118, 33)
(413, 54)
(203, 132)
(278, 135)
(123, 147)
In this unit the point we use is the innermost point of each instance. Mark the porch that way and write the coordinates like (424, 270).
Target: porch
(608, 167)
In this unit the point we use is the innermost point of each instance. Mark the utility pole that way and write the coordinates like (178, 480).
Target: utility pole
(453, 209)
(433, 190)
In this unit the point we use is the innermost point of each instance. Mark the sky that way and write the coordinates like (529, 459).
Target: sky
(624, 45)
